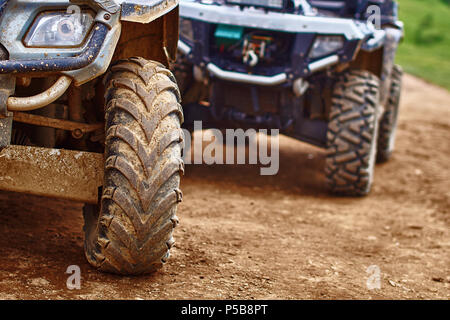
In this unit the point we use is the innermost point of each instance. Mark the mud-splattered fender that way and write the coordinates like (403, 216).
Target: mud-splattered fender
(144, 11)
(140, 11)
(156, 40)
(162, 17)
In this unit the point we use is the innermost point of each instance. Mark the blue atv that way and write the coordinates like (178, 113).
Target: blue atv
(319, 71)
(90, 112)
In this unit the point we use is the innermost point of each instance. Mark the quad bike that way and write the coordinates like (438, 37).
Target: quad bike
(90, 112)
(319, 71)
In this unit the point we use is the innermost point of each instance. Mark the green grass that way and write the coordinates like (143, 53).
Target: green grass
(425, 51)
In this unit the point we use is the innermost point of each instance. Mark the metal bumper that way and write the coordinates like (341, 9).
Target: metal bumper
(184, 48)
(40, 100)
(246, 78)
(323, 63)
(266, 80)
(59, 64)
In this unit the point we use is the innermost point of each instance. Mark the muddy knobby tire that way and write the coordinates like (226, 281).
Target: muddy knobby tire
(131, 233)
(388, 122)
(352, 132)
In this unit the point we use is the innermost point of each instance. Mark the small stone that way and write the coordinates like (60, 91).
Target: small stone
(438, 279)
(39, 282)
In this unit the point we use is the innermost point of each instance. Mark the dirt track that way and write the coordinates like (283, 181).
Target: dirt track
(245, 236)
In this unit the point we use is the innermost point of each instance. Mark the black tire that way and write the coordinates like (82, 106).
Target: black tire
(388, 122)
(131, 232)
(351, 136)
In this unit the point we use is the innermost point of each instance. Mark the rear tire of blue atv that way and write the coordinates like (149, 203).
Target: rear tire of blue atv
(352, 134)
(388, 123)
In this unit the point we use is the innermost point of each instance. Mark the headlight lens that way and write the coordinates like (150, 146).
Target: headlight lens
(186, 30)
(324, 45)
(59, 29)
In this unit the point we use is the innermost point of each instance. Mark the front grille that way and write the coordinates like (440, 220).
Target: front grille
(255, 51)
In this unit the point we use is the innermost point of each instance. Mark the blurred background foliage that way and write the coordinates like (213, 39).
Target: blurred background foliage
(425, 51)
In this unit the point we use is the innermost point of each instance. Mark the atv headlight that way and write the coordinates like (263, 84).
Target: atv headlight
(186, 30)
(324, 45)
(59, 29)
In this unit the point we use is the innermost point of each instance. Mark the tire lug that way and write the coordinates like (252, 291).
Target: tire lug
(170, 243)
(175, 221)
(179, 195)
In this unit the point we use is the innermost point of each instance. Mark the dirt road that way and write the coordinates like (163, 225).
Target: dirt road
(246, 236)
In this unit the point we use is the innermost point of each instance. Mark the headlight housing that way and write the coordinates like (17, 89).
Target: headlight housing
(186, 30)
(58, 29)
(325, 45)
